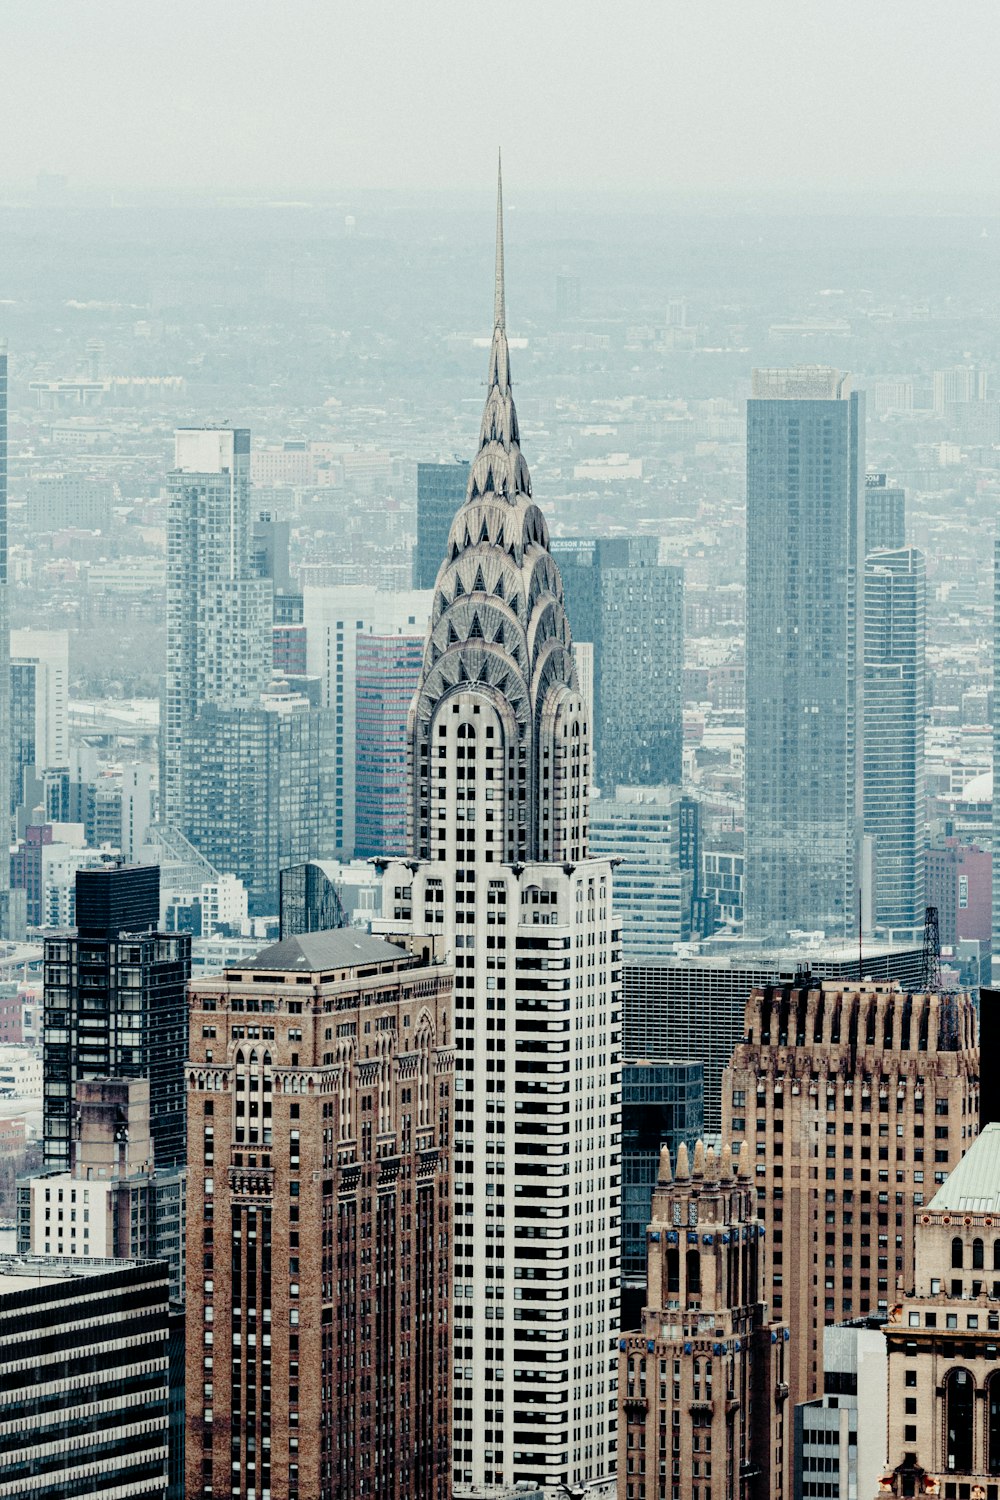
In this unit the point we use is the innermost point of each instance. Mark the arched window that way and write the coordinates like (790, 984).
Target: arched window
(977, 1255)
(956, 1254)
(993, 1425)
(959, 1395)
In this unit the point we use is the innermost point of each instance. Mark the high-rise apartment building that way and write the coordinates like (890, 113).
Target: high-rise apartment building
(335, 620)
(855, 1104)
(218, 612)
(895, 593)
(320, 1121)
(702, 1384)
(388, 670)
(641, 826)
(943, 1333)
(440, 491)
(885, 514)
(805, 557)
(499, 867)
(114, 1006)
(83, 1378)
(39, 704)
(630, 606)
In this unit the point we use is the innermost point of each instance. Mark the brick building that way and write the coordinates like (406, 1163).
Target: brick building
(855, 1105)
(320, 1113)
(702, 1387)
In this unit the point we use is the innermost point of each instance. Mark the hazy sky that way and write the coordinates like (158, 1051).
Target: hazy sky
(285, 94)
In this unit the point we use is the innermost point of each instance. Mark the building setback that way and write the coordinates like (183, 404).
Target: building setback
(114, 1006)
(320, 1082)
(855, 1104)
(805, 563)
(702, 1384)
(83, 1378)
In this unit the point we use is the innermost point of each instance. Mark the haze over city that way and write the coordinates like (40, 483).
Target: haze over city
(498, 681)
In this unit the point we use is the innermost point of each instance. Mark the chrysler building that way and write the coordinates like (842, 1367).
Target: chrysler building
(499, 758)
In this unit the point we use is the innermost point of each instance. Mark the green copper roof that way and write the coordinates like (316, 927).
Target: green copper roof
(974, 1185)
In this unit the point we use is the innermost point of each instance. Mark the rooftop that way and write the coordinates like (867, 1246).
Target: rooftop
(340, 948)
(973, 1187)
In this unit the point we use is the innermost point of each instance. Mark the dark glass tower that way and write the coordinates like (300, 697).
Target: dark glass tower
(115, 1006)
(440, 491)
(805, 558)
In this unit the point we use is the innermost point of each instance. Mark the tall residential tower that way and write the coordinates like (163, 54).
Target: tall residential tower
(805, 560)
(500, 773)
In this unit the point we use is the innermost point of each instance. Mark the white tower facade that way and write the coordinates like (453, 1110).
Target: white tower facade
(499, 780)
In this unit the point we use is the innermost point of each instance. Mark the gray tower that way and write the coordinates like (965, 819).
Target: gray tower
(805, 540)
(5, 724)
(440, 491)
(885, 514)
(895, 628)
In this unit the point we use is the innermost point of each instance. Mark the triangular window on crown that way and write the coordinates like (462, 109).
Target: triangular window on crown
(500, 535)
(484, 531)
(479, 587)
(476, 633)
(498, 591)
(459, 591)
(452, 634)
(488, 490)
(498, 639)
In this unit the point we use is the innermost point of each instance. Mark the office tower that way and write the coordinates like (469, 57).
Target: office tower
(996, 754)
(895, 593)
(137, 798)
(944, 1385)
(885, 515)
(39, 706)
(840, 1437)
(662, 1105)
(83, 1378)
(499, 867)
(335, 620)
(702, 1383)
(694, 1005)
(112, 1201)
(960, 383)
(641, 826)
(319, 1227)
(440, 491)
(114, 1006)
(855, 1104)
(309, 899)
(631, 607)
(259, 792)
(388, 670)
(805, 554)
(218, 612)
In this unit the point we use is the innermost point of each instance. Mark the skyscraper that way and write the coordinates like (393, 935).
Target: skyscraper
(855, 1102)
(641, 826)
(620, 597)
(218, 613)
(440, 491)
(805, 541)
(894, 692)
(8, 923)
(115, 1006)
(388, 670)
(885, 514)
(319, 1245)
(499, 866)
(996, 761)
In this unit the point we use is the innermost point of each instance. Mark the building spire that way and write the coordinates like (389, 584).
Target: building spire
(499, 308)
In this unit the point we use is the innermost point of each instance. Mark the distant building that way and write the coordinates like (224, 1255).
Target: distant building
(11, 902)
(995, 801)
(440, 492)
(662, 1105)
(721, 890)
(960, 884)
(327, 1134)
(310, 901)
(942, 1334)
(641, 826)
(115, 1006)
(68, 502)
(895, 593)
(885, 515)
(702, 1383)
(630, 606)
(39, 703)
(879, 1088)
(805, 556)
(387, 673)
(840, 1437)
(83, 1378)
